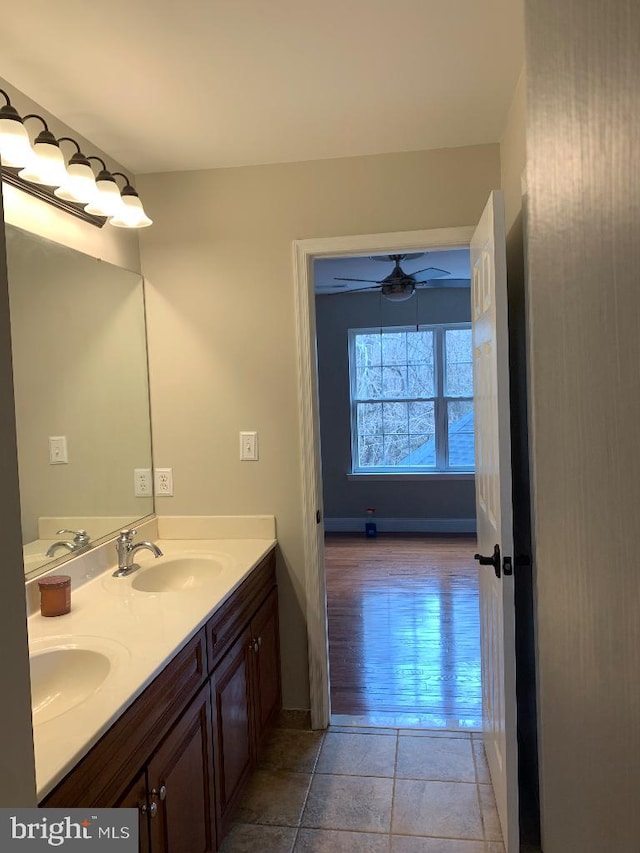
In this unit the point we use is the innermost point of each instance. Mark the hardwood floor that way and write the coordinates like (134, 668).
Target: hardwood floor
(404, 630)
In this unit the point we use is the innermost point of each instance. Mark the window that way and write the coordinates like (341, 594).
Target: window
(411, 399)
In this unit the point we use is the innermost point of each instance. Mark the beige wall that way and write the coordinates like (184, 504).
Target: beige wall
(221, 323)
(513, 153)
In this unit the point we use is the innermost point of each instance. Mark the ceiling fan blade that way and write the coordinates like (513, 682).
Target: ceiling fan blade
(349, 290)
(438, 272)
(448, 283)
(370, 280)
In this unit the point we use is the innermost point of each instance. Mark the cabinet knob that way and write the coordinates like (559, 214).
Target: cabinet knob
(161, 792)
(259, 642)
(151, 810)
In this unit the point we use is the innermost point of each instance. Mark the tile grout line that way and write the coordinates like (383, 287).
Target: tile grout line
(306, 799)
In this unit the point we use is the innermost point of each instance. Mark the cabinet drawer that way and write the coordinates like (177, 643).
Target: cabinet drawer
(225, 625)
(101, 777)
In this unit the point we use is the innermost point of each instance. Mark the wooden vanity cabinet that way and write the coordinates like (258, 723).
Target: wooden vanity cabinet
(246, 692)
(183, 751)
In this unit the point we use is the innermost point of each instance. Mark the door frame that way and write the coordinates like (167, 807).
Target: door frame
(305, 252)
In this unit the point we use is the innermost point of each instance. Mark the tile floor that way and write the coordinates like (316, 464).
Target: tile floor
(359, 790)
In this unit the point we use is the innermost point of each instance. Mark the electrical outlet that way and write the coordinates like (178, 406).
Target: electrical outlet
(249, 446)
(163, 482)
(142, 482)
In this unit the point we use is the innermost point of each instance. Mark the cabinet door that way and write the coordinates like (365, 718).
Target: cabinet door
(180, 777)
(136, 798)
(267, 692)
(233, 723)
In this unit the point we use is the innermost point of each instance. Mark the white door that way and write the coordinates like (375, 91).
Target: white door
(494, 510)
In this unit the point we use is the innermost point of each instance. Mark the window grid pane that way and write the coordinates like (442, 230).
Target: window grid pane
(394, 399)
(458, 363)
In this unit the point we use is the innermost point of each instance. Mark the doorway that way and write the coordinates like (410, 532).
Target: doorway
(394, 356)
(305, 252)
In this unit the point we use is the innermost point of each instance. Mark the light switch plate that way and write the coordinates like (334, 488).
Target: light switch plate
(58, 454)
(249, 446)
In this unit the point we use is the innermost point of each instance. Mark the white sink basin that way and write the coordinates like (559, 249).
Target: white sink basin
(180, 574)
(67, 673)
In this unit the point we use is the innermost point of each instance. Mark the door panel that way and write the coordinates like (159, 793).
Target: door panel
(180, 778)
(264, 627)
(233, 750)
(494, 509)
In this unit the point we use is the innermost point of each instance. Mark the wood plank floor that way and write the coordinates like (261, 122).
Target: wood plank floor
(404, 632)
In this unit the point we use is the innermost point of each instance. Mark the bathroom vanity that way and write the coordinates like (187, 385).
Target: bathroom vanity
(173, 732)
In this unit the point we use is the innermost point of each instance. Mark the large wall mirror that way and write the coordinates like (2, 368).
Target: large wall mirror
(82, 397)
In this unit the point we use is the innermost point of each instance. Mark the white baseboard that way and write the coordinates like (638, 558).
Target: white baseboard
(402, 525)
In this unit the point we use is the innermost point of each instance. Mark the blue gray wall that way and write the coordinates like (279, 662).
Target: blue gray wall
(429, 502)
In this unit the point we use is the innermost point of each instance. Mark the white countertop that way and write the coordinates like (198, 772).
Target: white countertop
(142, 630)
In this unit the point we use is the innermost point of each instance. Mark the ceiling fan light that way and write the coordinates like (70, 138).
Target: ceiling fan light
(398, 292)
(15, 146)
(80, 185)
(131, 214)
(46, 165)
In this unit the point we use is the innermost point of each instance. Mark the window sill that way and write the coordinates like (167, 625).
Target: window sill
(411, 477)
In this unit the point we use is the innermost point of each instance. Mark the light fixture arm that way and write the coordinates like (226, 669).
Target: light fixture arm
(6, 97)
(73, 142)
(35, 115)
(122, 175)
(100, 160)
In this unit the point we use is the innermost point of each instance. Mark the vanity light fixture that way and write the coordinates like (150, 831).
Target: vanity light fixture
(80, 185)
(46, 165)
(40, 170)
(107, 201)
(131, 214)
(15, 147)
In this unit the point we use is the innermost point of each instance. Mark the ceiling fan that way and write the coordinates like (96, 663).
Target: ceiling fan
(398, 285)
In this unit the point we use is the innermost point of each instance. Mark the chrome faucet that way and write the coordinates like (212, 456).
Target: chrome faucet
(126, 549)
(81, 542)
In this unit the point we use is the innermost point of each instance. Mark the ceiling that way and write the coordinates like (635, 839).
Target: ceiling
(164, 85)
(455, 261)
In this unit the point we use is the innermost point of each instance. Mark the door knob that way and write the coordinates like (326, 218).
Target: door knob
(494, 560)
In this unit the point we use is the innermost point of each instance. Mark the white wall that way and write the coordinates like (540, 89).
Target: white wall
(218, 266)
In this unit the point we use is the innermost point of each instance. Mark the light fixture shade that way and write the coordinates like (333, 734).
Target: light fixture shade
(15, 147)
(46, 165)
(131, 214)
(398, 292)
(80, 185)
(107, 201)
